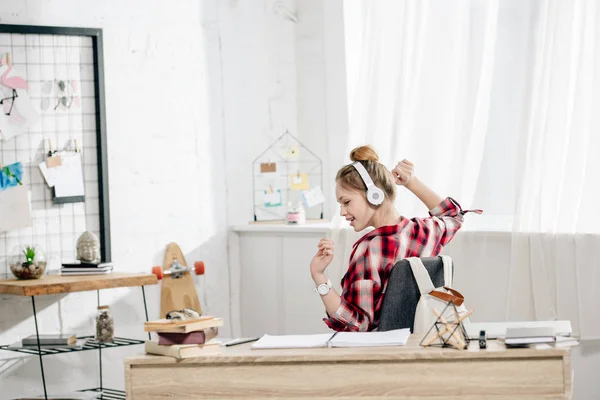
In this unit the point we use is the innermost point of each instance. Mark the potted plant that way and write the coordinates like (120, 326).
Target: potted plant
(28, 262)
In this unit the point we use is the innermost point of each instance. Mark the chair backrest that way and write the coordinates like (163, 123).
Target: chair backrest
(402, 293)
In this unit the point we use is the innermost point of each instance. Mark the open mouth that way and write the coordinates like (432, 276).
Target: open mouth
(351, 220)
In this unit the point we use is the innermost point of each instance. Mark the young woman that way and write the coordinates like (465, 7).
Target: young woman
(366, 191)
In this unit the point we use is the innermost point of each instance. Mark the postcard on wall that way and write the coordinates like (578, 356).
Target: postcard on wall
(299, 181)
(313, 197)
(68, 180)
(11, 176)
(272, 198)
(268, 167)
(19, 112)
(14, 208)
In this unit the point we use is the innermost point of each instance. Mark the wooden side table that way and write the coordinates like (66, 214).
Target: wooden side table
(56, 284)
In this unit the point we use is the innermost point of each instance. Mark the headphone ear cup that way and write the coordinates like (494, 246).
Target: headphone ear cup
(375, 195)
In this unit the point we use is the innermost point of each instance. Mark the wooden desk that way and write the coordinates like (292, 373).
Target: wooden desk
(392, 372)
(55, 284)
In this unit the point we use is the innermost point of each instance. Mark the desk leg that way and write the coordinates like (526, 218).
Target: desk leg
(145, 308)
(37, 334)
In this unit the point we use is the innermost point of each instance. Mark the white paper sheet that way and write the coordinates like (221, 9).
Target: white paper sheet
(292, 341)
(15, 211)
(69, 177)
(397, 337)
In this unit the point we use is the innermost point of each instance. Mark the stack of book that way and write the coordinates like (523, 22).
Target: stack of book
(86, 268)
(525, 336)
(184, 339)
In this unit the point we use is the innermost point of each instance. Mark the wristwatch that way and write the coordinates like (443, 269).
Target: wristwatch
(323, 288)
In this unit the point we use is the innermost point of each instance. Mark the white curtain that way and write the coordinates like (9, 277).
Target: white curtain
(493, 101)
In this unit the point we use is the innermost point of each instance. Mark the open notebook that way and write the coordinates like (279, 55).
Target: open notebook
(396, 337)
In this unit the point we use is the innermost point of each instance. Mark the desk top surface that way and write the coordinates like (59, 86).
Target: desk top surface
(55, 284)
(411, 351)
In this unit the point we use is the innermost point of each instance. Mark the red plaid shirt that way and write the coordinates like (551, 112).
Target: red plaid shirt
(375, 254)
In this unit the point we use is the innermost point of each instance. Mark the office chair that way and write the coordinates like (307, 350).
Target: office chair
(402, 293)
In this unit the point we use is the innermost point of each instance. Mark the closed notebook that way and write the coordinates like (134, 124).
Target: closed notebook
(198, 337)
(56, 339)
(516, 336)
(397, 337)
(181, 351)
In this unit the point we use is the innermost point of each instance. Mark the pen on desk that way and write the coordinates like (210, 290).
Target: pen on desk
(329, 340)
(240, 341)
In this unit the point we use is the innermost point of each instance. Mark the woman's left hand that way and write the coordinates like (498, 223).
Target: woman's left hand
(404, 172)
(322, 258)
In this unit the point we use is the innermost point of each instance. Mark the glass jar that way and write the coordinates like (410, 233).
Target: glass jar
(28, 262)
(105, 327)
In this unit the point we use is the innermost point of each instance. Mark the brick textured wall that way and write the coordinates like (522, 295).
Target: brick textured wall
(194, 91)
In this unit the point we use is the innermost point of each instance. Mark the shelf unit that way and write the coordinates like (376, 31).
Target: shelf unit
(55, 284)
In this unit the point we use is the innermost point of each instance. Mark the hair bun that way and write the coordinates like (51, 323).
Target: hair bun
(364, 153)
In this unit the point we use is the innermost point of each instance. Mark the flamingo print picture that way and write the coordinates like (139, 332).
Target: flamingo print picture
(17, 112)
(12, 82)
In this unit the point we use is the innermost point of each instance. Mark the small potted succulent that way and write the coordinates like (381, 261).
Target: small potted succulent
(28, 262)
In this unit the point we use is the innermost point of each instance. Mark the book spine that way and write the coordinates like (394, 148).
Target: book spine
(156, 349)
(166, 338)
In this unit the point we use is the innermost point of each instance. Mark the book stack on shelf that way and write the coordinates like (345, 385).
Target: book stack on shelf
(184, 339)
(81, 268)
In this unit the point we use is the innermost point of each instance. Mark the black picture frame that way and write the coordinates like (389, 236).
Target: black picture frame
(101, 146)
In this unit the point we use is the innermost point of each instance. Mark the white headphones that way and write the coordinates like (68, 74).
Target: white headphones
(374, 194)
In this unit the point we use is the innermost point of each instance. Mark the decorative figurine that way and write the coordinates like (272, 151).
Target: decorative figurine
(88, 248)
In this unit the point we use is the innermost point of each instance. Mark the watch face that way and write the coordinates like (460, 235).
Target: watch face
(323, 289)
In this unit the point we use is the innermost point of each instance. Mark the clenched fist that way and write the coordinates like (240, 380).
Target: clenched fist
(404, 172)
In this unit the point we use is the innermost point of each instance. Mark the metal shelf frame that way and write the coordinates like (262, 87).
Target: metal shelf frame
(91, 344)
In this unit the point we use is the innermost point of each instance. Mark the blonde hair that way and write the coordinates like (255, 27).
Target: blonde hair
(350, 179)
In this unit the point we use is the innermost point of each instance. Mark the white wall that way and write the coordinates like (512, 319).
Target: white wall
(195, 90)
(166, 172)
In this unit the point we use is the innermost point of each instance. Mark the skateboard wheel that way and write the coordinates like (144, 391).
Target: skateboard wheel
(158, 272)
(199, 267)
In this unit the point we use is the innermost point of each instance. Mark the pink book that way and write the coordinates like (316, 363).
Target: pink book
(198, 337)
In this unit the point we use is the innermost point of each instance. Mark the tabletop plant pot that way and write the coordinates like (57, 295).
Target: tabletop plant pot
(28, 262)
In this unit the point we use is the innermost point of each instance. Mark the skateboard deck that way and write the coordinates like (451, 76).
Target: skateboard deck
(177, 293)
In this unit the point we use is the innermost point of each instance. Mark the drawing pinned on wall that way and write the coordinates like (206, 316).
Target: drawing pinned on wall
(60, 95)
(272, 197)
(17, 111)
(299, 181)
(53, 159)
(268, 167)
(11, 176)
(15, 209)
(292, 152)
(313, 197)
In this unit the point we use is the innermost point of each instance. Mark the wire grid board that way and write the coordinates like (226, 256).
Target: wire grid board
(290, 158)
(41, 59)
